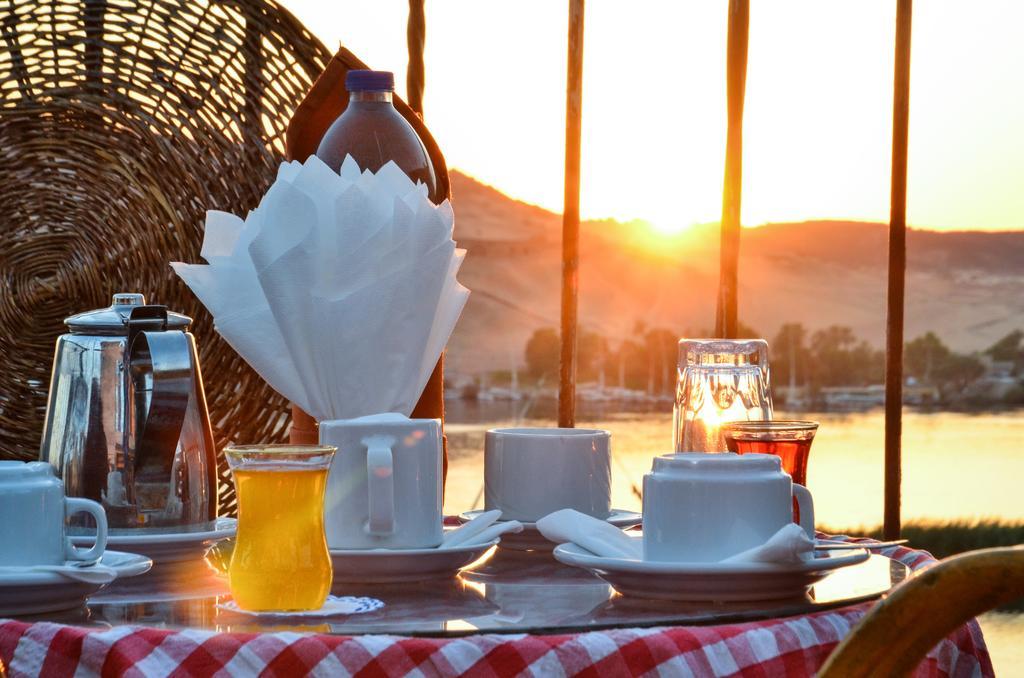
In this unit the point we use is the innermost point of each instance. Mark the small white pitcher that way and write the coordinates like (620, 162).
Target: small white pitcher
(384, 486)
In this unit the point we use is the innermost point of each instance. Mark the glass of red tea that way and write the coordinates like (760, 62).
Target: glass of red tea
(788, 440)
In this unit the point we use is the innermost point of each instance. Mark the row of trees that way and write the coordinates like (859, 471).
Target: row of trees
(1009, 349)
(646, 362)
(832, 356)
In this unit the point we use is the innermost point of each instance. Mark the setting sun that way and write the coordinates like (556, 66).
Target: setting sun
(668, 227)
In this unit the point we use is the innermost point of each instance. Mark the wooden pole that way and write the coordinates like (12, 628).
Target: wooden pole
(726, 317)
(571, 217)
(416, 35)
(431, 402)
(897, 270)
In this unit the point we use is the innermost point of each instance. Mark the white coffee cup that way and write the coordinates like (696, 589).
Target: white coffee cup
(384, 486)
(33, 511)
(531, 472)
(703, 508)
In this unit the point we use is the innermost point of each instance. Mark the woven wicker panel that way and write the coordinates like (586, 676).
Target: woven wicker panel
(121, 122)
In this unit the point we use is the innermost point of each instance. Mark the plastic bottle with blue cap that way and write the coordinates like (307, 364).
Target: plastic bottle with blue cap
(373, 132)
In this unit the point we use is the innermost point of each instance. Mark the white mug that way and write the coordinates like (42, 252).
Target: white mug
(33, 511)
(384, 486)
(703, 508)
(531, 472)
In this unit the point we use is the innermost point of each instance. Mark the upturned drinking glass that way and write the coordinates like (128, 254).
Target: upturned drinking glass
(718, 381)
(280, 561)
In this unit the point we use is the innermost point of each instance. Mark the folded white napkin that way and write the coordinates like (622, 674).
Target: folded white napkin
(480, 530)
(789, 545)
(340, 290)
(597, 536)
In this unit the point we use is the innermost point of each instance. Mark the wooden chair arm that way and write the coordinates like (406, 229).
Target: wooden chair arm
(896, 634)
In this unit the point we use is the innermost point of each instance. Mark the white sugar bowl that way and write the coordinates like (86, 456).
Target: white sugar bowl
(703, 508)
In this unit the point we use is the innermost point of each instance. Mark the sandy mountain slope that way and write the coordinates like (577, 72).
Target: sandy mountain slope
(967, 287)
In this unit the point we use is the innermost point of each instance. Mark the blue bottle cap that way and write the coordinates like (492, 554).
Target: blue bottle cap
(370, 81)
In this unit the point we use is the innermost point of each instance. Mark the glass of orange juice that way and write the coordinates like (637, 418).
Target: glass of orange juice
(280, 561)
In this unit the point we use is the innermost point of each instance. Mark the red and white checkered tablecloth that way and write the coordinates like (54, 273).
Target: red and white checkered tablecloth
(794, 646)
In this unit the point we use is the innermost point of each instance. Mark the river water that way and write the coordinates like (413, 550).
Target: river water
(955, 467)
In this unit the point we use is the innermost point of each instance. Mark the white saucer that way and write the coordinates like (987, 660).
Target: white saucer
(29, 592)
(169, 547)
(707, 581)
(393, 566)
(185, 580)
(530, 539)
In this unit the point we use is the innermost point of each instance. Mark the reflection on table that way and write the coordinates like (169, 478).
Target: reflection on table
(512, 591)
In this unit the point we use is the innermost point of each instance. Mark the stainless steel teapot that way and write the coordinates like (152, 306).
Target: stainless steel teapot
(126, 423)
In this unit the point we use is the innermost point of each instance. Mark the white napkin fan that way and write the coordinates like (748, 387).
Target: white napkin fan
(339, 290)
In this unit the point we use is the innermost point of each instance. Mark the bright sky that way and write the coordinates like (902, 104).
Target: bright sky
(818, 113)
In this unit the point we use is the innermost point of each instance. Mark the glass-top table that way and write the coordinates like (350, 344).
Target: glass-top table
(505, 591)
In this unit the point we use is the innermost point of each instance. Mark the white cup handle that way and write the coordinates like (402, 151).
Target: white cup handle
(380, 484)
(73, 505)
(806, 504)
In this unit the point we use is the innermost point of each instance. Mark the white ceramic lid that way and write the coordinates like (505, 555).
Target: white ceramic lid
(721, 462)
(19, 470)
(549, 431)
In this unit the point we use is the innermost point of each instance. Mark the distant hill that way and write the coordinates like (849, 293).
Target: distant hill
(968, 287)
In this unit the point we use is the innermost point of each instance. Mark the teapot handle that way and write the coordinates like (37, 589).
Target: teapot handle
(167, 357)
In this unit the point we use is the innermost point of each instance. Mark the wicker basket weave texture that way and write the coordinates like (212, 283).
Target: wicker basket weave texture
(121, 123)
